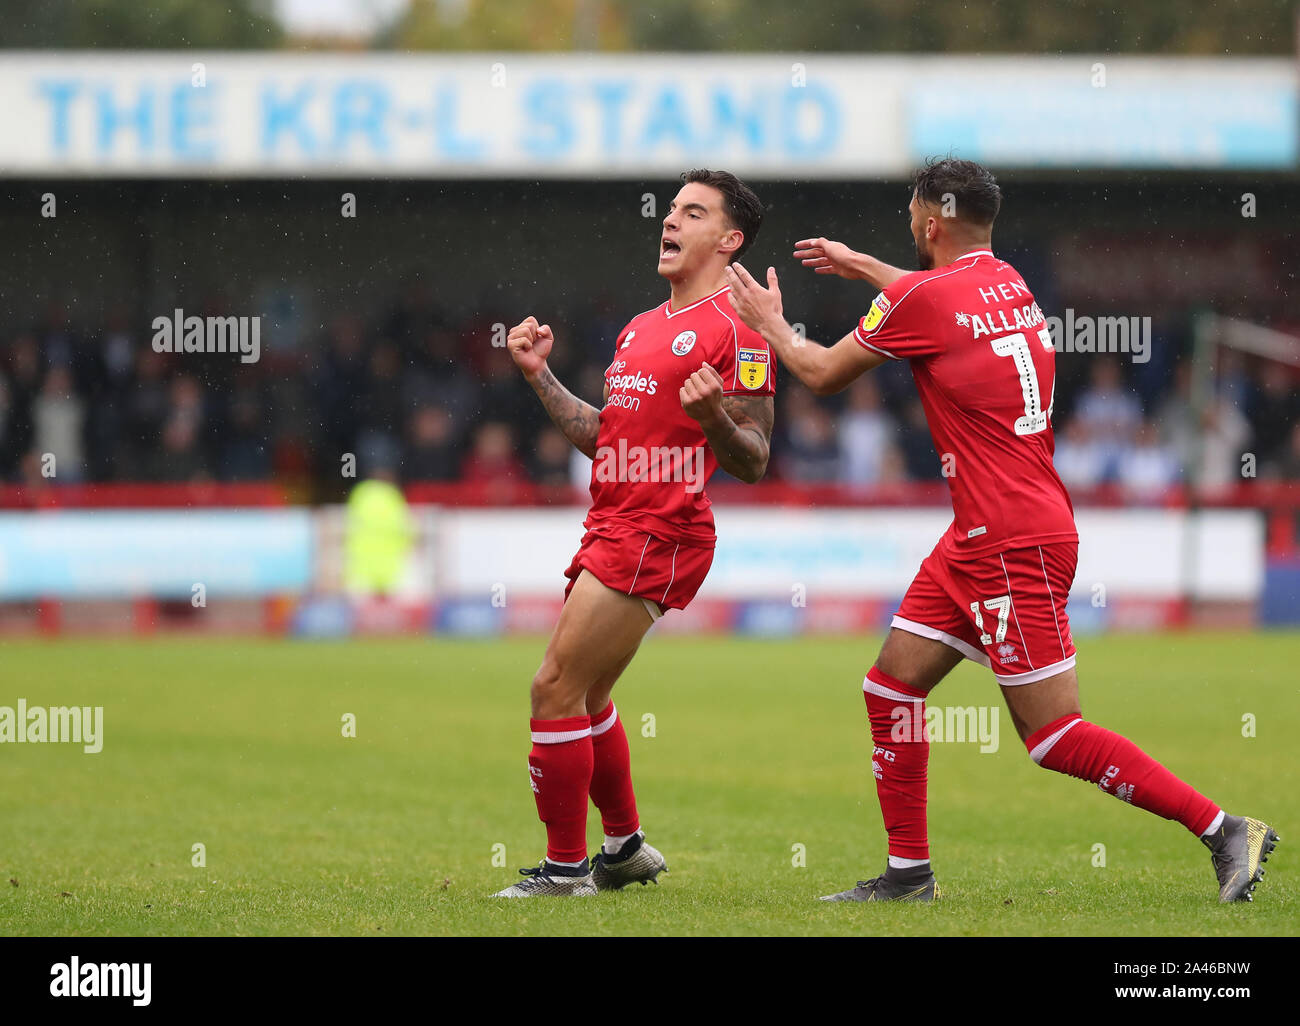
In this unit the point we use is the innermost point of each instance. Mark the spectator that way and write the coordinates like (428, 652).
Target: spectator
(866, 432)
(244, 454)
(1287, 466)
(58, 421)
(1225, 433)
(811, 452)
(550, 459)
(1109, 413)
(919, 457)
(1275, 410)
(430, 452)
(1079, 460)
(492, 455)
(1148, 467)
(179, 458)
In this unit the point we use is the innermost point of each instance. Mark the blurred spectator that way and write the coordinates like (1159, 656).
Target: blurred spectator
(381, 409)
(24, 383)
(1225, 433)
(866, 431)
(1148, 466)
(179, 458)
(1079, 460)
(58, 419)
(550, 461)
(1109, 413)
(812, 452)
(1275, 410)
(245, 455)
(492, 455)
(1287, 466)
(430, 453)
(919, 457)
(1177, 419)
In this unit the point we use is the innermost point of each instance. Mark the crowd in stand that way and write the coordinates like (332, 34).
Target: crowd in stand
(434, 400)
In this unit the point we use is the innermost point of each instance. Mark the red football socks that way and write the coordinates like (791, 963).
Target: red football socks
(900, 761)
(1115, 764)
(560, 765)
(611, 777)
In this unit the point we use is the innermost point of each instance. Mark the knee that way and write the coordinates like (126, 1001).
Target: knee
(552, 694)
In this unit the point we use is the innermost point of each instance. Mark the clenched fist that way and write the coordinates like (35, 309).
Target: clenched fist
(530, 344)
(701, 395)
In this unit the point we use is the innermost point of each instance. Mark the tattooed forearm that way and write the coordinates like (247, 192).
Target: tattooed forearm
(579, 421)
(740, 438)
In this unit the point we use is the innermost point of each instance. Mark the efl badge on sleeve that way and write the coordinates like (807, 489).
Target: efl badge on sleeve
(753, 368)
(879, 307)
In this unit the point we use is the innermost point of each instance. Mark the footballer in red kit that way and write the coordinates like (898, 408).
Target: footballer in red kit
(995, 587)
(688, 390)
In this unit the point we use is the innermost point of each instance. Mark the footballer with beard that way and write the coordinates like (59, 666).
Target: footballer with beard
(994, 589)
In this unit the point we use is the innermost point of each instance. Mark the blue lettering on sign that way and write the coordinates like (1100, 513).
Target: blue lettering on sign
(191, 114)
(284, 115)
(111, 119)
(610, 96)
(667, 121)
(360, 108)
(60, 93)
(729, 118)
(447, 140)
(798, 106)
(548, 114)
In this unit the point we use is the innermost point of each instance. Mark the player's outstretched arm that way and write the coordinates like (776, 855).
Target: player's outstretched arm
(530, 344)
(738, 427)
(825, 256)
(824, 369)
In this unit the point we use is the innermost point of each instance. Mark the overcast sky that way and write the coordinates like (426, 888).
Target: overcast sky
(338, 17)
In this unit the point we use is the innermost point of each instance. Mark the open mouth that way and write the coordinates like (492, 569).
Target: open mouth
(668, 248)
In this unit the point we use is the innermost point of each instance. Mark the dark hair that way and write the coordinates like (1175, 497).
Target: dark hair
(743, 208)
(972, 187)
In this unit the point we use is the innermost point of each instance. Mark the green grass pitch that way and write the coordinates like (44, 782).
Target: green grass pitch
(757, 747)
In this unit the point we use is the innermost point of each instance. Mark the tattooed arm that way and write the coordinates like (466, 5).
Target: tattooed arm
(738, 427)
(530, 344)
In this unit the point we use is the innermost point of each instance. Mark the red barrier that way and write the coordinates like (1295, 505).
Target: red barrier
(142, 496)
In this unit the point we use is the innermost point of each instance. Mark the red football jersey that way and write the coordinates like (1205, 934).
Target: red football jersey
(652, 459)
(985, 368)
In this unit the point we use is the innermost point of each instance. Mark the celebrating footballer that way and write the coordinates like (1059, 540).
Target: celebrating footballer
(689, 390)
(994, 588)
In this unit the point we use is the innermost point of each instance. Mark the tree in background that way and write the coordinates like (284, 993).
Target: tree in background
(139, 24)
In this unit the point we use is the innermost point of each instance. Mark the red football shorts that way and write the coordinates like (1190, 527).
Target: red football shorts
(1005, 611)
(635, 563)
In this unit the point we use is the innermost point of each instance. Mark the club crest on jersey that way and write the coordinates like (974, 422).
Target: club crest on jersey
(879, 307)
(684, 343)
(753, 368)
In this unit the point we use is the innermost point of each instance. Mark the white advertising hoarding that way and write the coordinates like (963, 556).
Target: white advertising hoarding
(631, 115)
(765, 552)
